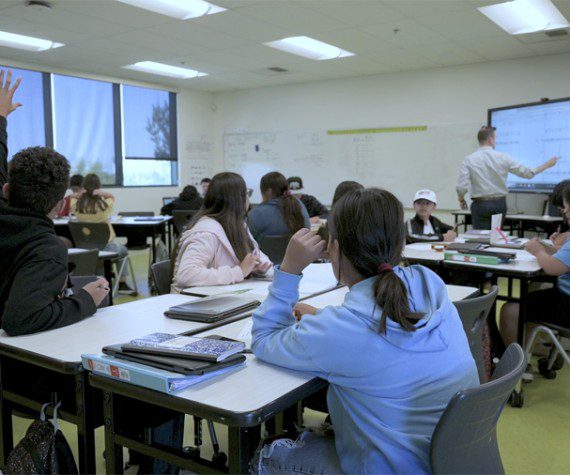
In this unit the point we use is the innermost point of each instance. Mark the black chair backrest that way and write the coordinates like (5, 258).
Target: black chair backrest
(465, 438)
(90, 235)
(130, 214)
(274, 247)
(181, 218)
(473, 313)
(84, 262)
(78, 282)
(161, 276)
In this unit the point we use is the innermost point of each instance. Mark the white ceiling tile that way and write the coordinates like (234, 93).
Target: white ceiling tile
(461, 25)
(564, 7)
(271, 56)
(361, 65)
(494, 48)
(112, 11)
(292, 17)
(448, 54)
(40, 30)
(199, 64)
(420, 8)
(355, 40)
(234, 4)
(66, 20)
(551, 47)
(112, 47)
(401, 60)
(201, 35)
(235, 23)
(146, 40)
(355, 12)
(228, 59)
(404, 33)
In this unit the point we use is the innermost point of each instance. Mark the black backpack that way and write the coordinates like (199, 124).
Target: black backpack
(43, 450)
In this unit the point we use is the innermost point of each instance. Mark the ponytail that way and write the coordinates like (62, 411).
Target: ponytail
(369, 227)
(391, 296)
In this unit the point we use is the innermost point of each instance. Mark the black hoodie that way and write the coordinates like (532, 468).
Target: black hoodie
(33, 270)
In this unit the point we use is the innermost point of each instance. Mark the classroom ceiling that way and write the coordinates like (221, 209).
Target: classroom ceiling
(101, 36)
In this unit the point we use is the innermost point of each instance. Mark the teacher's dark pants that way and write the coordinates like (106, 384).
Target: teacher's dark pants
(482, 210)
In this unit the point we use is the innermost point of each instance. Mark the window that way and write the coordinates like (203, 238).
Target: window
(26, 125)
(149, 127)
(124, 134)
(84, 126)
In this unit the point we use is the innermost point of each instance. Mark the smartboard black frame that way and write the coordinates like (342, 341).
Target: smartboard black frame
(538, 188)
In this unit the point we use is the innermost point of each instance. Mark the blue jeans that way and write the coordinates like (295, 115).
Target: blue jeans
(312, 453)
(481, 212)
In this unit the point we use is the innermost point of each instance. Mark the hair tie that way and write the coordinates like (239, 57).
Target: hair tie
(385, 267)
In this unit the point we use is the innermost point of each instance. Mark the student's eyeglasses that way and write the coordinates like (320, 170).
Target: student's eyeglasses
(249, 192)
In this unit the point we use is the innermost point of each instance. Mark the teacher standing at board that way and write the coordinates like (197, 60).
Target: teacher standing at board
(485, 172)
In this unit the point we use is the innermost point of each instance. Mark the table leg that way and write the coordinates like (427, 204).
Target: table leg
(242, 444)
(113, 451)
(108, 274)
(85, 425)
(153, 250)
(6, 430)
(517, 398)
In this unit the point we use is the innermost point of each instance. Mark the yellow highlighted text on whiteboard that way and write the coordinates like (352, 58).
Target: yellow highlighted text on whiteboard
(382, 130)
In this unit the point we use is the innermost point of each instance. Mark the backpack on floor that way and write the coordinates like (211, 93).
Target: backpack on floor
(43, 450)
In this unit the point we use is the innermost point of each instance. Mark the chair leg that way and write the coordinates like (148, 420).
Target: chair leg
(553, 338)
(120, 272)
(132, 272)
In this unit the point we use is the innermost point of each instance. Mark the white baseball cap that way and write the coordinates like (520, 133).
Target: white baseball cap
(425, 195)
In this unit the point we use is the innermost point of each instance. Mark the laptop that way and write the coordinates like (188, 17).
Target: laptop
(212, 309)
(167, 200)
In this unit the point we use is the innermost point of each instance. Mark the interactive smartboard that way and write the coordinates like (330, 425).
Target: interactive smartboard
(531, 134)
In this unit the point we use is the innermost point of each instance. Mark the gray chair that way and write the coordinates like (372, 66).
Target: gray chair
(465, 438)
(96, 236)
(547, 367)
(78, 282)
(90, 235)
(161, 276)
(274, 247)
(84, 262)
(474, 313)
(181, 218)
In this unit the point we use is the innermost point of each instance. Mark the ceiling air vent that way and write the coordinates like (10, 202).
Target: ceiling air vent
(272, 71)
(556, 33)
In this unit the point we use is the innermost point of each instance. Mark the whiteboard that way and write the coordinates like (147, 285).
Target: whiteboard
(400, 161)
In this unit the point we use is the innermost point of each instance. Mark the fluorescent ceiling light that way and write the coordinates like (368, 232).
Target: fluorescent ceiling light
(309, 48)
(525, 16)
(28, 43)
(165, 70)
(181, 9)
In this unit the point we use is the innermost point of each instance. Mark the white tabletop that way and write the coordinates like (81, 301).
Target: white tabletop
(519, 216)
(130, 220)
(316, 278)
(423, 251)
(110, 325)
(102, 254)
(241, 330)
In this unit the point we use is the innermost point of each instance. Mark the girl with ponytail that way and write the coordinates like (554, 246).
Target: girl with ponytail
(280, 213)
(394, 353)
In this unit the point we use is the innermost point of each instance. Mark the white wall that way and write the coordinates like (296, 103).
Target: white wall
(446, 95)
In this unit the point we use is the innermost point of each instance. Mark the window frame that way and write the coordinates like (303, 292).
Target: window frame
(118, 126)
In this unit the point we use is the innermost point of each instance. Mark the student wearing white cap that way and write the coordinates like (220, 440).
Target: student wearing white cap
(424, 227)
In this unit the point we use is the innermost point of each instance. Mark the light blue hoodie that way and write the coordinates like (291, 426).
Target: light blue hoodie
(387, 391)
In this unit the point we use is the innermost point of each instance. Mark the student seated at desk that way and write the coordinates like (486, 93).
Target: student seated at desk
(280, 213)
(314, 207)
(343, 188)
(217, 248)
(34, 295)
(188, 199)
(76, 185)
(548, 305)
(394, 353)
(95, 205)
(562, 235)
(424, 227)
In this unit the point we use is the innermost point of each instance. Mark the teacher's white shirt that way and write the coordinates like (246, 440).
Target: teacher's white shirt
(485, 173)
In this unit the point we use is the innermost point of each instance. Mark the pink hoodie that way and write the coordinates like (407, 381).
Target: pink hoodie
(206, 257)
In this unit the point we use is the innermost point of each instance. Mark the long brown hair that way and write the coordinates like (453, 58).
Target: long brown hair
(225, 202)
(88, 203)
(289, 205)
(369, 227)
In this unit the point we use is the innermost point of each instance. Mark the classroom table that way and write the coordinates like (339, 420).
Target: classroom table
(55, 356)
(518, 221)
(151, 226)
(525, 269)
